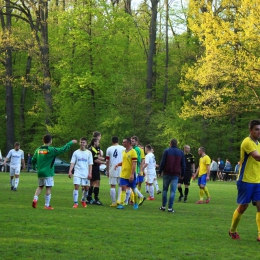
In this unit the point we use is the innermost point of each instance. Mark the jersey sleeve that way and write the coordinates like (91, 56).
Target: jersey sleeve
(208, 160)
(248, 146)
(63, 149)
(73, 158)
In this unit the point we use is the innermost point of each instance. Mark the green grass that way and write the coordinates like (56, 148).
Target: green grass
(100, 232)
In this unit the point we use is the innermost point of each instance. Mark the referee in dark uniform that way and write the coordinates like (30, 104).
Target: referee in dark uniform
(190, 169)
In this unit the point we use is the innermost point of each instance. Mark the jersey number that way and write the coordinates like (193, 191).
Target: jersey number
(115, 153)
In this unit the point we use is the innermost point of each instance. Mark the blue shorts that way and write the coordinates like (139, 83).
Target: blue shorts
(202, 180)
(140, 179)
(247, 192)
(126, 182)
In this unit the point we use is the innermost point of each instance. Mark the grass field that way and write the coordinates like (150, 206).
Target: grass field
(100, 232)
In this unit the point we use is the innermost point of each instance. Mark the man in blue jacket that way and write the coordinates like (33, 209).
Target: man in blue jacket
(173, 167)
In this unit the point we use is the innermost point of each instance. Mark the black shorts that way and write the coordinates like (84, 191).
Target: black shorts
(185, 180)
(95, 175)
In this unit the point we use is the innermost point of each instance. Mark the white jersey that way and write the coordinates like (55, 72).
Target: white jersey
(151, 163)
(114, 156)
(82, 160)
(15, 157)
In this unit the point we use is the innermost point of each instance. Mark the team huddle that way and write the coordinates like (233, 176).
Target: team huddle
(128, 167)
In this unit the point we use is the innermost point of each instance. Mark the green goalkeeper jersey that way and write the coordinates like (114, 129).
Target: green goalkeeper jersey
(44, 157)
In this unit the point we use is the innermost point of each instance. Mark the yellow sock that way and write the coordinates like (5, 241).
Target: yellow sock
(135, 197)
(206, 191)
(258, 223)
(122, 196)
(132, 197)
(235, 220)
(201, 194)
(139, 188)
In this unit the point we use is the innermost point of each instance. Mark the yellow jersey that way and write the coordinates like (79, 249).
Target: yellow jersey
(249, 170)
(128, 158)
(204, 161)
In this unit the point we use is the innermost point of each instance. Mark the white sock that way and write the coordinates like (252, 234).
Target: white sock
(85, 195)
(140, 195)
(47, 200)
(128, 193)
(156, 185)
(75, 196)
(13, 182)
(16, 182)
(113, 195)
(151, 191)
(35, 198)
(146, 187)
(119, 193)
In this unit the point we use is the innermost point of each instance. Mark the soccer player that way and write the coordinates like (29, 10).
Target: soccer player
(43, 158)
(173, 167)
(82, 161)
(203, 172)
(113, 157)
(150, 165)
(248, 180)
(16, 156)
(139, 174)
(95, 180)
(127, 174)
(190, 168)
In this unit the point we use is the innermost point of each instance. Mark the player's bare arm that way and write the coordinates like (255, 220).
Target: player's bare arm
(70, 170)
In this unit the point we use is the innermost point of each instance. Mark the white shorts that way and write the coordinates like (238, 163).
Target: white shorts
(47, 182)
(150, 178)
(113, 180)
(15, 170)
(81, 181)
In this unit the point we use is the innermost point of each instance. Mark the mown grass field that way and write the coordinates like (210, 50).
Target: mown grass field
(100, 232)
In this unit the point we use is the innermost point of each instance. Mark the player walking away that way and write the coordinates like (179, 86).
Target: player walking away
(43, 160)
(248, 181)
(150, 165)
(82, 162)
(16, 156)
(203, 172)
(113, 157)
(95, 180)
(190, 169)
(221, 166)
(127, 174)
(139, 175)
(173, 167)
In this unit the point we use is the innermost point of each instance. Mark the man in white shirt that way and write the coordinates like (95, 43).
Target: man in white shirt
(82, 162)
(16, 156)
(113, 157)
(150, 165)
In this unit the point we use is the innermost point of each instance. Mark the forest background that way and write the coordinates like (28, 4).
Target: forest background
(156, 69)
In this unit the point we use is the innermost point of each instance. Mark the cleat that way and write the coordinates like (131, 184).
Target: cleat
(113, 205)
(200, 202)
(147, 191)
(84, 204)
(136, 205)
(185, 199)
(131, 203)
(91, 201)
(150, 198)
(207, 200)
(125, 203)
(120, 207)
(158, 192)
(97, 202)
(34, 203)
(48, 207)
(75, 206)
(180, 199)
(162, 208)
(118, 202)
(171, 210)
(234, 235)
(258, 239)
(14, 189)
(141, 201)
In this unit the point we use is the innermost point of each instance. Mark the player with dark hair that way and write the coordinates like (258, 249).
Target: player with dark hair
(43, 158)
(248, 180)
